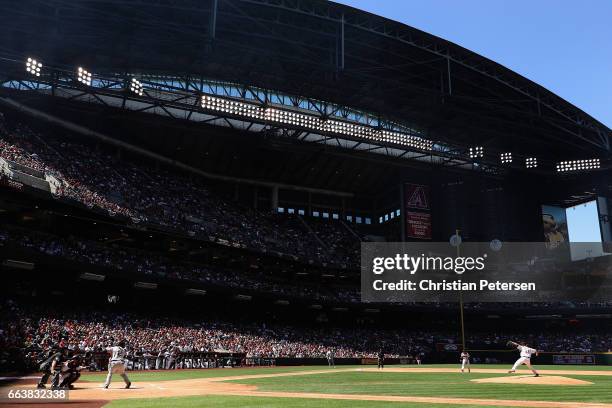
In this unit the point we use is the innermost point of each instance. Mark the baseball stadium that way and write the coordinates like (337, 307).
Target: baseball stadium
(291, 203)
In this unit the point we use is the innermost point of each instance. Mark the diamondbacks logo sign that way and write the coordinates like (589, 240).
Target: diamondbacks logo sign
(416, 196)
(418, 223)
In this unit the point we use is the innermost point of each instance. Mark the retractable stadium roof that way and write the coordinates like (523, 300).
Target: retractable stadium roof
(307, 50)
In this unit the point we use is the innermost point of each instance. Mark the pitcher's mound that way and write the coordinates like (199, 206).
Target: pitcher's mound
(530, 379)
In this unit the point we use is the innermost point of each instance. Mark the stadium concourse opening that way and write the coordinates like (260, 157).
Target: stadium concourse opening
(185, 194)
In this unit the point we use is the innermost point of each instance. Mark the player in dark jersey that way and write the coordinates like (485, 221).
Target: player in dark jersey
(381, 359)
(51, 366)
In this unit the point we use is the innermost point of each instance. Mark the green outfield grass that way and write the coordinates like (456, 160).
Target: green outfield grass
(259, 402)
(436, 384)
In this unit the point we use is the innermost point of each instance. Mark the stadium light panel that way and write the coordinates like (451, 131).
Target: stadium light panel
(33, 66)
(506, 158)
(531, 162)
(578, 165)
(476, 152)
(84, 76)
(136, 87)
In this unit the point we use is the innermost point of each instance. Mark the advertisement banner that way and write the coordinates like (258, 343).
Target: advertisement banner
(418, 225)
(574, 359)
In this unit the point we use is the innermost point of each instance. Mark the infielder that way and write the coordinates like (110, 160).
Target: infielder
(116, 364)
(465, 360)
(525, 357)
(381, 359)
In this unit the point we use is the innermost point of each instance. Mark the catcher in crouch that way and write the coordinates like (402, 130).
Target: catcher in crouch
(525, 357)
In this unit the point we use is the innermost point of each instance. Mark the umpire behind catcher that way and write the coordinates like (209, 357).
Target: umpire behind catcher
(51, 366)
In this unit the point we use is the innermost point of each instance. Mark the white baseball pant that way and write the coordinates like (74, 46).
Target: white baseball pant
(116, 367)
(526, 361)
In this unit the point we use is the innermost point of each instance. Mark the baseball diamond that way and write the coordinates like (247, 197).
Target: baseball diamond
(413, 386)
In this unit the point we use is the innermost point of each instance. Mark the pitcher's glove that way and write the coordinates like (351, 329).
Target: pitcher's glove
(510, 343)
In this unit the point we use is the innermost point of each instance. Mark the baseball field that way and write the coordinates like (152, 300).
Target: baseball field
(353, 386)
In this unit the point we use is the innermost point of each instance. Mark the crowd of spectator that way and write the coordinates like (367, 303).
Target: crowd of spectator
(340, 240)
(104, 181)
(31, 328)
(549, 342)
(35, 328)
(132, 260)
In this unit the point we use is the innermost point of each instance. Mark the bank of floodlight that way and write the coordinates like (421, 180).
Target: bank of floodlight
(578, 165)
(351, 129)
(231, 107)
(312, 122)
(33, 66)
(476, 152)
(292, 118)
(84, 76)
(531, 162)
(404, 139)
(136, 87)
(505, 158)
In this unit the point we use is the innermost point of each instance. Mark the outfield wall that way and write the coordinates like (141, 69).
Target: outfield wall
(341, 361)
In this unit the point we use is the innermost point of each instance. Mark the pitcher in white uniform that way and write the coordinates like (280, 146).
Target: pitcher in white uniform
(525, 358)
(465, 361)
(116, 364)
